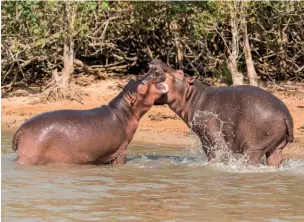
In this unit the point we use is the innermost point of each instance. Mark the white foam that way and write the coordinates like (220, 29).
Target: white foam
(194, 157)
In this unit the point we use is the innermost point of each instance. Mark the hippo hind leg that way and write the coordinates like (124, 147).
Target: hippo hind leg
(269, 147)
(274, 157)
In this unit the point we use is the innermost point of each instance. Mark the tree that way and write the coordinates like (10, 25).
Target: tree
(61, 87)
(216, 39)
(237, 77)
(251, 73)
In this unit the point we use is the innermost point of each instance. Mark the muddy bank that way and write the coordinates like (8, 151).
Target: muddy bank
(160, 125)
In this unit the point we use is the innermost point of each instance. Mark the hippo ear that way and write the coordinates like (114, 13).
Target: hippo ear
(121, 86)
(191, 80)
(141, 89)
(131, 97)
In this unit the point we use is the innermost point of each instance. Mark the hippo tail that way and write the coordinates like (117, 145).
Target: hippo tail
(289, 126)
(16, 139)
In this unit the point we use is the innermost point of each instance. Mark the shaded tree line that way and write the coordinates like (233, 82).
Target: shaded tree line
(50, 42)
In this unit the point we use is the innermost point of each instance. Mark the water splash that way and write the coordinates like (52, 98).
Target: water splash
(291, 166)
(191, 159)
(194, 156)
(218, 146)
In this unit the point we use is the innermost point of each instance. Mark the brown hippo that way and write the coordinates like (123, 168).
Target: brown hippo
(95, 136)
(242, 119)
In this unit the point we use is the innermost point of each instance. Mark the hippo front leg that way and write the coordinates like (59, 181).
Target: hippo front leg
(208, 151)
(209, 129)
(121, 159)
(215, 148)
(214, 145)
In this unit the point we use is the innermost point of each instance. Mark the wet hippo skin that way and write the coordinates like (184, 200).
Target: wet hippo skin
(242, 119)
(95, 136)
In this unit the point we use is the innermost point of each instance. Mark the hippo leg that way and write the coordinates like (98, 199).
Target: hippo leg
(254, 157)
(268, 146)
(28, 156)
(121, 159)
(274, 157)
(216, 149)
(208, 151)
(212, 139)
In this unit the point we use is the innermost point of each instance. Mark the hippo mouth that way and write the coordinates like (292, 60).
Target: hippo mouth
(162, 87)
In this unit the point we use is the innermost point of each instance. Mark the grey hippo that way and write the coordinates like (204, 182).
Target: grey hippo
(239, 119)
(96, 136)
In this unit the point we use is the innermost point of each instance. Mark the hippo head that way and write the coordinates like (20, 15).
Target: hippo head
(178, 83)
(144, 91)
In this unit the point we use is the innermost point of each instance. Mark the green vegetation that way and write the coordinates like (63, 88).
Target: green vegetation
(46, 43)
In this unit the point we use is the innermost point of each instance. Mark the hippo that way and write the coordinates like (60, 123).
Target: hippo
(239, 119)
(95, 136)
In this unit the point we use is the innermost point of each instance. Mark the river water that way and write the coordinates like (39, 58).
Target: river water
(158, 183)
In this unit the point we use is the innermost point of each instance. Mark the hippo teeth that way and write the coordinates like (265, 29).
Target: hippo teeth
(163, 87)
(166, 87)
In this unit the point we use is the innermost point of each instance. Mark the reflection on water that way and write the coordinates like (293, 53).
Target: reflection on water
(156, 184)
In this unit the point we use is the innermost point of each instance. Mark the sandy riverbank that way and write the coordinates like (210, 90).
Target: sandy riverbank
(160, 125)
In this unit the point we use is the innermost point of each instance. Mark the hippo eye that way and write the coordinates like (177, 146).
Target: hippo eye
(158, 73)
